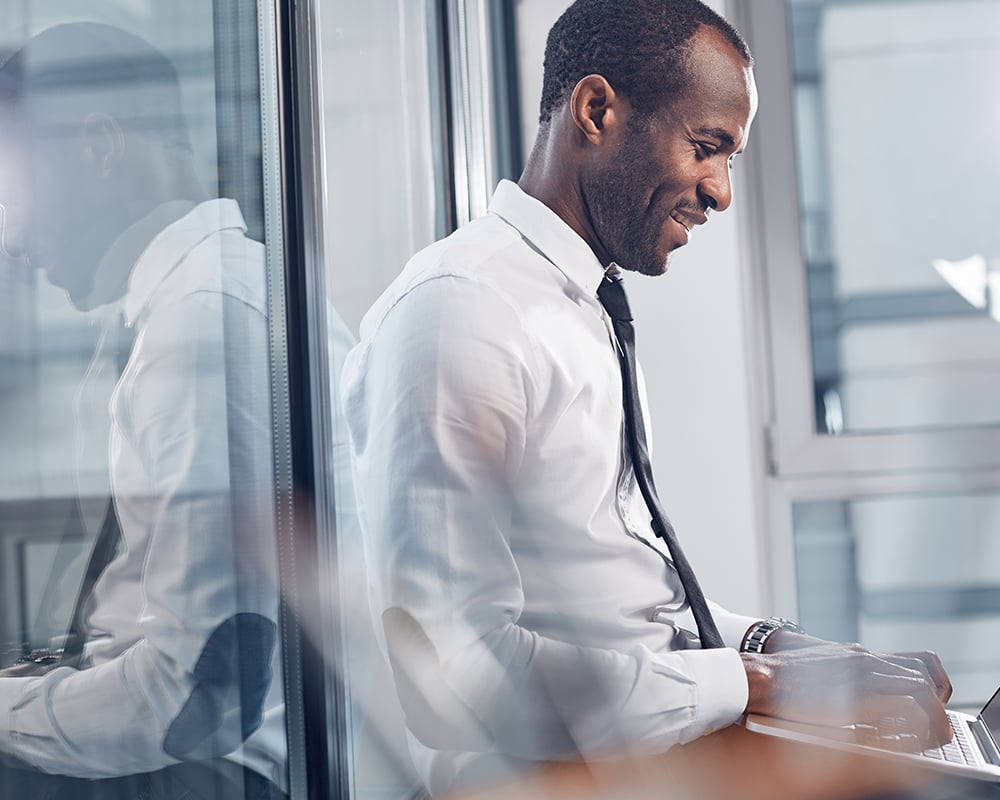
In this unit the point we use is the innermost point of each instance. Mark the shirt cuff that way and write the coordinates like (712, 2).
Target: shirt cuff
(721, 688)
(11, 691)
(733, 627)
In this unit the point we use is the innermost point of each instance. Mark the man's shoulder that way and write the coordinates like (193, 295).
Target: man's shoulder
(225, 266)
(215, 288)
(477, 250)
(479, 257)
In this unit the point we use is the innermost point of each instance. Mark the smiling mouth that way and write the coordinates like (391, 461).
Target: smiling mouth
(688, 220)
(684, 222)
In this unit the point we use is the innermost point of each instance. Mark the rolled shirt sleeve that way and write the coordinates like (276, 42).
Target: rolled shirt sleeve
(94, 723)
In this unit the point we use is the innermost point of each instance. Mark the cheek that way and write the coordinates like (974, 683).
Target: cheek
(62, 210)
(670, 234)
(659, 211)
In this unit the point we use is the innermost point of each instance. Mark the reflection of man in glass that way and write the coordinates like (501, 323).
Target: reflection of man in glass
(177, 682)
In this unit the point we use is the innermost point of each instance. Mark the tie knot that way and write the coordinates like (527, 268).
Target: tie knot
(611, 293)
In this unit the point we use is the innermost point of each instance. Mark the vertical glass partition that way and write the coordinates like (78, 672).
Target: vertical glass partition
(387, 194)
(140, 623)
(387, 191)
(407, 148)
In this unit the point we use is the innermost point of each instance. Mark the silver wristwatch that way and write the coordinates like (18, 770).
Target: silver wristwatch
(755, 638)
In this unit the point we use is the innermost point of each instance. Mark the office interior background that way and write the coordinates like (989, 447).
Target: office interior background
(823, 360)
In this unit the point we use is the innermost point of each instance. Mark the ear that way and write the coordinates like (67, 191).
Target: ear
(596, 107)
(103, 141)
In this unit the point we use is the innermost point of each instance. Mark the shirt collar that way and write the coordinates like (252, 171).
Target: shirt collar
(549, 234)
(169, 247)
(112, 274)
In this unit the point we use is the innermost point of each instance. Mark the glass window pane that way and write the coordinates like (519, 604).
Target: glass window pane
(895, 131)
(386, 198)
(905, 573)
(139, 622)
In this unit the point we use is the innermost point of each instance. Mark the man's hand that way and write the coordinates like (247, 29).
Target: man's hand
(784, 640)
(935, 672)
(27, 669)
(843, 684)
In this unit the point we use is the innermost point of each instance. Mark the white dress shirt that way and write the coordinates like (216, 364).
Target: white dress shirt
(527, 610)
(191, 476)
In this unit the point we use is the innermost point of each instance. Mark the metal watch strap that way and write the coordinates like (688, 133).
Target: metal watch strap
(754, 641)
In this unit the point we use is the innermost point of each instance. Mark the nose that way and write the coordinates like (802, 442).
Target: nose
(716, 186)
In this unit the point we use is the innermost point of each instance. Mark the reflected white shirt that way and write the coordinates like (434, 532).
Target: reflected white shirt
(527, 609)
(190, 468)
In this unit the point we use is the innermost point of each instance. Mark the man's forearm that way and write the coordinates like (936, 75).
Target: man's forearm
(59, 722)
(536, 698)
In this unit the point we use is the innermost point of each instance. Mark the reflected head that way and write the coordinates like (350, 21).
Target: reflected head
(68, 72)
(92, 137)
(640, 46)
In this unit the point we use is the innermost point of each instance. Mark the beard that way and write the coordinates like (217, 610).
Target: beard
(628, 227)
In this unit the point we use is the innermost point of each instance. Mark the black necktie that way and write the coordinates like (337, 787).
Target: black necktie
(612, 296)
(108, 540)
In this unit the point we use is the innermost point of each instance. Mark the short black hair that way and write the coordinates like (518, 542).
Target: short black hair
(65, 72)
(640, 46)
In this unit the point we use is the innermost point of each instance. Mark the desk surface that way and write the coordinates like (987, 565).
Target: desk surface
(735, 763)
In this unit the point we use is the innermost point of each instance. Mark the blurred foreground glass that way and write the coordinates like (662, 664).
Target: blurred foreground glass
(896, 124)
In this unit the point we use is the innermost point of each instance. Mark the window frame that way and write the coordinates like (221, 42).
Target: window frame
(795, 448)
(314, 711)
(799, 464)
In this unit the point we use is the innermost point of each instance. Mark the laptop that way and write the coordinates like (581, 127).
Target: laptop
(973, 753)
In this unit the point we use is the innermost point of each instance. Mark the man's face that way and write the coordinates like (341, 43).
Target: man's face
(667, 171)
(53, 212)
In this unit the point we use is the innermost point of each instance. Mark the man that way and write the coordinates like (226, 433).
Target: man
(527, 608)
(176, 691)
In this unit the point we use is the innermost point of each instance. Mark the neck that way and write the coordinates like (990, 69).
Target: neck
(553, 177)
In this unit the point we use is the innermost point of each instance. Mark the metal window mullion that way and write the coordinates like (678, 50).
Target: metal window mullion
(327, 724)
(472, 108)
(271, 96)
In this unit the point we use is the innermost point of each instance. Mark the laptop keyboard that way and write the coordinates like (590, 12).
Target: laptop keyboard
(892, 733)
